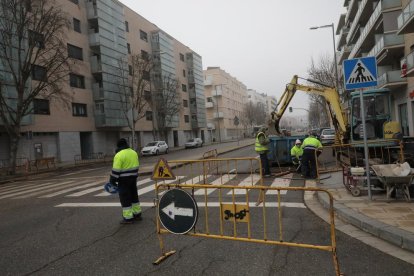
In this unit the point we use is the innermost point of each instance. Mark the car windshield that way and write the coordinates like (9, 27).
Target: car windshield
(151, 144)
(328, 132)
(191, 140)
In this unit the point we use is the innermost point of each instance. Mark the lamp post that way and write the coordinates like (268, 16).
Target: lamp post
(334, 45)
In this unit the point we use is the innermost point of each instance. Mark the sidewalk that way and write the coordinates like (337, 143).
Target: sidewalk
(392, 221)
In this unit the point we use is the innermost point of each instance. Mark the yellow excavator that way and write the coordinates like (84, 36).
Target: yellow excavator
(377, 108)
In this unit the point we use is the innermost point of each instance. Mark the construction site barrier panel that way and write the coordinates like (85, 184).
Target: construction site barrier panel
(237, 217)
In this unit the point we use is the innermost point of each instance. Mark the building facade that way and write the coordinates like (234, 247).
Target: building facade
(383, 29)
(225, 100)
(102, 33)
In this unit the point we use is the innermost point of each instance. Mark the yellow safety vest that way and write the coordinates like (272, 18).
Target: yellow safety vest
(126, 163)
(259, 147)
(296, 151)
(311, 143)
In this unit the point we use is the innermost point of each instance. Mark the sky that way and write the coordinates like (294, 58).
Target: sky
(262, 43)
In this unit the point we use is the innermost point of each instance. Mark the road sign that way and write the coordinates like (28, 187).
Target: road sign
(360, 72)
(162, 171)
(177, 211)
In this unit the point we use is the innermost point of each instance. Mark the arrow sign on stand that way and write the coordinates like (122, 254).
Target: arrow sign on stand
(173, 211)
(177, 220)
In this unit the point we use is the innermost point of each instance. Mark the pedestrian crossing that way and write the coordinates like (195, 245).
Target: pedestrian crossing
(93, 187)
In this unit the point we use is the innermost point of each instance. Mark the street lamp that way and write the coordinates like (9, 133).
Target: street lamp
(333, 38)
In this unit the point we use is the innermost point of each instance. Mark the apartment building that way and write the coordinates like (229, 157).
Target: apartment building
(225, 100)
(271, 103)
(383, 29)
(102, 33)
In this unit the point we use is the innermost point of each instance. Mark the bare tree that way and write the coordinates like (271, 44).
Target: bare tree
(135, 89)
(167, 103)
(324, 72)
(34, 60)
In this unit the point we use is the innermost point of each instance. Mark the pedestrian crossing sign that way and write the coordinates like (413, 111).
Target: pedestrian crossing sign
(162, 171)
(360, 72)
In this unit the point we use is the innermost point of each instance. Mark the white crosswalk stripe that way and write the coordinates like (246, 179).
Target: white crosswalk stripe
(94, 186)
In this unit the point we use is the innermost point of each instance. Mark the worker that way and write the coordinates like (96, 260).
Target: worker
(124, 174)
(296, 154)
(311, 145)
(262, 148)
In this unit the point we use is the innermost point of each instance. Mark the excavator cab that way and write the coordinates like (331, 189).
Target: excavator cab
(377, 106)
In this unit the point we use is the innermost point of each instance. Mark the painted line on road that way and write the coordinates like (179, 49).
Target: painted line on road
(209, 204)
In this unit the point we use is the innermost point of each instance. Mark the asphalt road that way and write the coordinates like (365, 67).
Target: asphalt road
(47, 231)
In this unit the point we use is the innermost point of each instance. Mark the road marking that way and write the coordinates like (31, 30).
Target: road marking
(251, 180)
(81, 171)
(87, 191)
(280, 182)
(219, 181)
(38, 188)
(209, 204)
(49, 190)
(72, 189)
(139, 183)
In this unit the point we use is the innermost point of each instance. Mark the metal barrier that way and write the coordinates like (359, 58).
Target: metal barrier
(92, 158)
(237, 218)
(211, 165)
(22, 163)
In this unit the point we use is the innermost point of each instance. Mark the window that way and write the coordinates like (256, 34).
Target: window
(41, 106)
(185, 103)
(39, 73)
(79, 110)
(146, 75)
(75, 52)
(76, 25)
(184, 87)
(183, 73)
(36, 39)
(181, 57)
(129, 48)
(186, 118)
(75, 1)
(148, 115)
(144, 55)
(126, 26)
(143, 35)
(77, 81)
(210, 99)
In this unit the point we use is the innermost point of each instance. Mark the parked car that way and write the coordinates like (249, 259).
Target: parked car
(327, 136)
(194, 143)
(155, 148)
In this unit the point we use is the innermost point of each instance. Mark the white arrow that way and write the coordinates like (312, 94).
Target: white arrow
(173, 211)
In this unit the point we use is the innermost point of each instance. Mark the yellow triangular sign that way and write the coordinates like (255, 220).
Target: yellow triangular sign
(162, 171)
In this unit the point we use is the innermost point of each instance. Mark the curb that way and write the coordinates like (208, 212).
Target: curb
(392, 234)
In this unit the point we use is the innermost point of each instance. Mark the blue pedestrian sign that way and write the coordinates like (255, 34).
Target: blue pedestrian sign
(360, 72)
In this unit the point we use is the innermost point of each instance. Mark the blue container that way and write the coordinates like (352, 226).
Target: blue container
(279, 149)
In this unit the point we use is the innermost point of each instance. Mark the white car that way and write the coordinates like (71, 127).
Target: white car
(155, 148)
(194, 143)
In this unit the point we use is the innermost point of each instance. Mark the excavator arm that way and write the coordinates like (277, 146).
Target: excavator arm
(329, 93)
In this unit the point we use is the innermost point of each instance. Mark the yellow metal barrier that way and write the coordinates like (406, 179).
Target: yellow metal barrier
(237, 215)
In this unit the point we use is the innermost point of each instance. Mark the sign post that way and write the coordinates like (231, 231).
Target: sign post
(360, 73)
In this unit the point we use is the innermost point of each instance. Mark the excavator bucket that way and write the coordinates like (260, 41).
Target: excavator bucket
(275, 121)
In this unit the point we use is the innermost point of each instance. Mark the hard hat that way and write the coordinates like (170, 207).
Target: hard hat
(298, 141)
(110, 188)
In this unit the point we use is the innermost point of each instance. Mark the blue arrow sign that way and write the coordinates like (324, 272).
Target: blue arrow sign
(360, 72)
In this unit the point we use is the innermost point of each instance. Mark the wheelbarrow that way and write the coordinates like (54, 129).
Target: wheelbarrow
(395, 177)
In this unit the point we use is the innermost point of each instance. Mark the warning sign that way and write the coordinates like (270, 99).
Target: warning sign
(162, 171)
(360, 72)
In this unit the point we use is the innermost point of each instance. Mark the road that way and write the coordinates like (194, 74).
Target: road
(51, 227)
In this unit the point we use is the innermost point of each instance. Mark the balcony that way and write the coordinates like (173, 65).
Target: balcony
(94, 39)
(208, 81)
(92, 11)
(100, 120)
(391, 79)
(342, 36)
(387, 47)
(344, 53)
(406, 19)
(360, 18)
(209, 104)
(408, 63)
(367, 34)
(211, 126)
(98, 92)
(96, 66)
(218, 115)
(217, 92)
(352, 9)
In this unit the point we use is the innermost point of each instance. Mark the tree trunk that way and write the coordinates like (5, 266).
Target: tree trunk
(14, 137)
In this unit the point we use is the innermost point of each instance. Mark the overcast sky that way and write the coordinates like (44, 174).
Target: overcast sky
(262, 43)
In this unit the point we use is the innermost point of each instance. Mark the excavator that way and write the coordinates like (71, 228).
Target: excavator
(379, 126)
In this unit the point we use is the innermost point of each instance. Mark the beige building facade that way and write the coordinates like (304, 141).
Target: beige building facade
(225, 100)
(102, 32)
